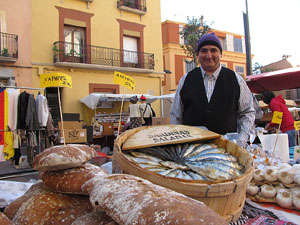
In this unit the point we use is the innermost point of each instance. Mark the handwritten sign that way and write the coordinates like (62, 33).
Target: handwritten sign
(277, 117)
(297, 125)
(55, 79)
(124, 80)
(170, 136)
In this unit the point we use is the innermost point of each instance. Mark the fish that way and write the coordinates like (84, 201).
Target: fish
(233, 164)
(165, 172)
(174, 165)
(156, 169)
(201, 148)
(200, 156)
(141, 160)
(183, 175)
(196, 176)
(174, 173)
(189, 149)
(178, 149)
(212, 150)
(145, 156)
(210, 171)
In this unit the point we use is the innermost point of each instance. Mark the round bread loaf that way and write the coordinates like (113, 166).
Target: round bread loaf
(94, 218)
(13, 207)
(61, 157)
(133, 200)
(69, 181)
(4, 220)
(48, 207)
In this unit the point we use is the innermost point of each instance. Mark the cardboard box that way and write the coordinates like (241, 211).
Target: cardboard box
(71, 125)
(160, 120)
(108, 128)
(75, 135)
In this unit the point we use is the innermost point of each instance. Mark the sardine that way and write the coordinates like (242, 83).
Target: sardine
(145, 156)
(201, 148)
(196, 176)
(141, 160)
(183, 175)
(173, 173)
(165, 172)
(232, 171)
(210, 171)
(232, 164)
(190, 149)
(174, 165)
(213, 150)
(225, 156)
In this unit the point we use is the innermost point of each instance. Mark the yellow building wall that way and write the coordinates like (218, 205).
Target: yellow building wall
(105, 32)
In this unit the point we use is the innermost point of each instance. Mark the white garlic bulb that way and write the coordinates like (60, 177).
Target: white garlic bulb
(296, 167)
(280, 188)
(286, 175)
(297, 177)
(284, 198)
(283, 165)
(270, 173)
(258, 175)
(252, 189)
(296, 198)
(268, 191)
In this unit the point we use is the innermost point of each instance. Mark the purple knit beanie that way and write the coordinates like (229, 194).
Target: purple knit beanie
(208, 39)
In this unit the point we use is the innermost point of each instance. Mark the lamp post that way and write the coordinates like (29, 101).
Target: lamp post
(247, 40)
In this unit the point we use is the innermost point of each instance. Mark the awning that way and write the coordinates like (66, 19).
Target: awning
(274, 81)
(95, 99)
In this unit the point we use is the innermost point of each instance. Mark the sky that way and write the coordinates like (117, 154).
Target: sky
(273, 24)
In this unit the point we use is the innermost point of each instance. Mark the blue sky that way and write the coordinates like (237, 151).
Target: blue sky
(274, 24)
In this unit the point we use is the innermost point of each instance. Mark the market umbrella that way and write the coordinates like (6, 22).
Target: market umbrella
(274, 81)
(56, 79)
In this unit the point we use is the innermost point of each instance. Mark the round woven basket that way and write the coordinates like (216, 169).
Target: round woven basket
(227, 198)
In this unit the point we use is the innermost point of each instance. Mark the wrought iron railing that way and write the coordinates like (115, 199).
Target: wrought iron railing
(77, 53)
(8, 45)
(134, 4)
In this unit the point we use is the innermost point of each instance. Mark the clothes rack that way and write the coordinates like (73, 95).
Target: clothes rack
(1, 86)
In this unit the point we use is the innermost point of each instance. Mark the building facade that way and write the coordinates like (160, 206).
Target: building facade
(90, 40)
(15, 43)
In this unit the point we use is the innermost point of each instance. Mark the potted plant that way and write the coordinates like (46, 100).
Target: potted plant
(4, 52)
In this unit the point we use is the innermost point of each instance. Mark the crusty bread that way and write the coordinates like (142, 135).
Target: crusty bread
(69, 181)
(61, 157)
(13, 207)
(94, 218)
(49, 207)
(133, 200)
(4, 220)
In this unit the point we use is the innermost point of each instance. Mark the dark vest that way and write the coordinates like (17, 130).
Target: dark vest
(220, 114)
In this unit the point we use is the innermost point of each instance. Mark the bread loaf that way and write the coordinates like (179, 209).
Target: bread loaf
(63, 157)
(48, 207)
(94, 218)
(13, 207)
(132, 200)
(4, 220)
(70, 180)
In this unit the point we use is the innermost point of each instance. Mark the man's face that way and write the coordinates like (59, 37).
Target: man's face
(209, 57)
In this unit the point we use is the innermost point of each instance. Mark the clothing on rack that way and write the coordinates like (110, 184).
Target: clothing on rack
(31, 115)
(42, 110)
(22, 110)
(13, 97)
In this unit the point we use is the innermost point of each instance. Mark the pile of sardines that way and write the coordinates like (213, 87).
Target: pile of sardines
(189, 161)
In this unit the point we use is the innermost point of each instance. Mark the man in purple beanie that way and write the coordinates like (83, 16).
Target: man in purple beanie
(213, 96)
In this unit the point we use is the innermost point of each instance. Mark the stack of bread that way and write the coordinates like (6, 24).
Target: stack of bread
(75, 192)
(276, 184)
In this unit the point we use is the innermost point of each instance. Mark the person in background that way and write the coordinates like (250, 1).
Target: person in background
(135, 117)
(214, 96)
(146, 111)
(287, 123)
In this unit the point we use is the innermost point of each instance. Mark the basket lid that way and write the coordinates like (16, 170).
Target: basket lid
(167, 134)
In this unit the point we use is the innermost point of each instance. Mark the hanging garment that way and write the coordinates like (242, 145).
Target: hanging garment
(31, 115)
(13, 97)
(8, 150)
(42, 110)
(2, 115)
(22, 110)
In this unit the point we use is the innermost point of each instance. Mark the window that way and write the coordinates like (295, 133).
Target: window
(74, 38)
(130, 50)
(189, 65)
(223, 43)
(237, 45)
(240, 70)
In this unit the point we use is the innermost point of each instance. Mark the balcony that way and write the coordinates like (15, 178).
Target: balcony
(135, 6)
(89, 54)
(8, 47)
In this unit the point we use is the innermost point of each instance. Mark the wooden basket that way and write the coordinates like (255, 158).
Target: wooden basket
(227, 198)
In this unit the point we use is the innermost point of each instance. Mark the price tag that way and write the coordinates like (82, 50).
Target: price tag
(297, 125)
(296, 152)
(277, 117)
